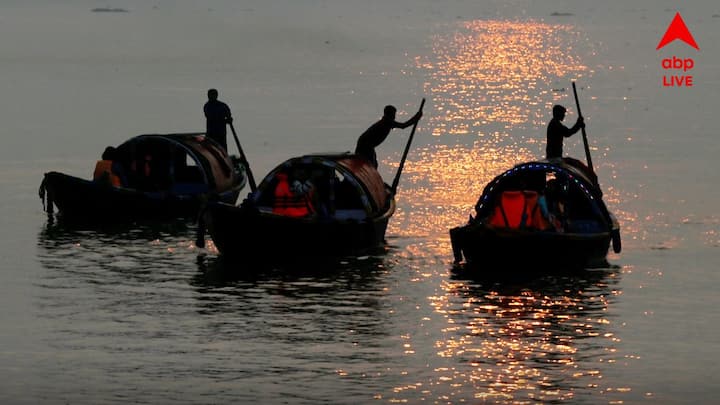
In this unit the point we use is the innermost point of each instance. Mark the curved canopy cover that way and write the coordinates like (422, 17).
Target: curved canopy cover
(368, 176)
(343, 181)
(541, 177)
(178, 158)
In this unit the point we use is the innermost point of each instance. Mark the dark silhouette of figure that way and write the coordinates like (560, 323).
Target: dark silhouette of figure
(556, 132)
(109, 169)
(293, 199)
(376, 134)
(218, 116)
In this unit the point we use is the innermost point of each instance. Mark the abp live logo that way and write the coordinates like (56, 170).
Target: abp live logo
(677, 30)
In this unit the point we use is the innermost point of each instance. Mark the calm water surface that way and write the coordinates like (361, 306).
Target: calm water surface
(137, 314)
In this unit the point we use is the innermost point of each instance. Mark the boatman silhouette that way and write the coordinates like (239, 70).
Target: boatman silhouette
(217, 115)
(557, 132)
(379, 131)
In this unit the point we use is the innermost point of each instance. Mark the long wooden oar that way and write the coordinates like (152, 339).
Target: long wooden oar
(200, 234)
(396, 181)
(584, 135)
(244, 160)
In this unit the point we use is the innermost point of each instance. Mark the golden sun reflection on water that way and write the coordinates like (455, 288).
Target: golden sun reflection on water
(499, 74)
(491, 87)
(542, 341)
(539, 342)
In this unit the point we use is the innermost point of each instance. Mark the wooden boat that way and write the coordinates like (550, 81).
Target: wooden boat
(346, 210)
(159, 177)
(512, 229)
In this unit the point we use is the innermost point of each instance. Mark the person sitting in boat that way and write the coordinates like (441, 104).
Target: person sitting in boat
(517, 209)
(552, 204)
(109, 169)
(142, 172)
(379, 131)
(293, 200)
(319, 184)
(548, 214)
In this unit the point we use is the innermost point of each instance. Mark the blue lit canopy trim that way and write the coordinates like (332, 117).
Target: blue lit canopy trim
(524, 171)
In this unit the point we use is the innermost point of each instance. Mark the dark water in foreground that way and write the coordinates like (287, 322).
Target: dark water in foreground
(386, 326)
(137, 314)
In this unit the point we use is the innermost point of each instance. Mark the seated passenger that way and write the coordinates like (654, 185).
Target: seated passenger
(142, 172)
(518, 209)
(553, 203)
(108, 169)
(548, 216)
(534, 215)
(295, 200)
(509, 209)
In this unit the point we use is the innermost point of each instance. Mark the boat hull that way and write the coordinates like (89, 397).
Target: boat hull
(529, 250)
(241, 233)
(85, 200)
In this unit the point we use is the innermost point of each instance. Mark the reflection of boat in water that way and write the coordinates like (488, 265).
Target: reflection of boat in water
(349, 272)
(542, 216)
(158, 176)
(539, 337)
(115, 232)
(114, 254)
(314, 205)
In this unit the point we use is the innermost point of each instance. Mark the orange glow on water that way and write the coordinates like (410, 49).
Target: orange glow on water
(500, 74)
(538, 342)
(491, 87)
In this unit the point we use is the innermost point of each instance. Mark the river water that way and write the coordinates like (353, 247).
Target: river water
(138, 314)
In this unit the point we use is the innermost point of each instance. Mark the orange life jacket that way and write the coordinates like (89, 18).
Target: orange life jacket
(288, 203)
(508, 212)
(518, 209)
(535, 218)
(104, 168)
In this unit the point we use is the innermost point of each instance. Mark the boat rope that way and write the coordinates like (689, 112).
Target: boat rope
(504, 215)
(200, 233)
(524, 216)
(43, 193)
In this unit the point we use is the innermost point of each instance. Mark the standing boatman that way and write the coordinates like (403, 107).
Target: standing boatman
(557, 132)
(376, 134)
(217, 116)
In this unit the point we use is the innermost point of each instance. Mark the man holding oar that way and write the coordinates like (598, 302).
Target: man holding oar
(379, 131)
(556, 132)
(217, 116)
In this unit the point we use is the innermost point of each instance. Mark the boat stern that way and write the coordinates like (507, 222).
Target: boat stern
(457, 236)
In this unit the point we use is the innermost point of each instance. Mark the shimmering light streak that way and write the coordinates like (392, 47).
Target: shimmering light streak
(499, 74)
(491, 86)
